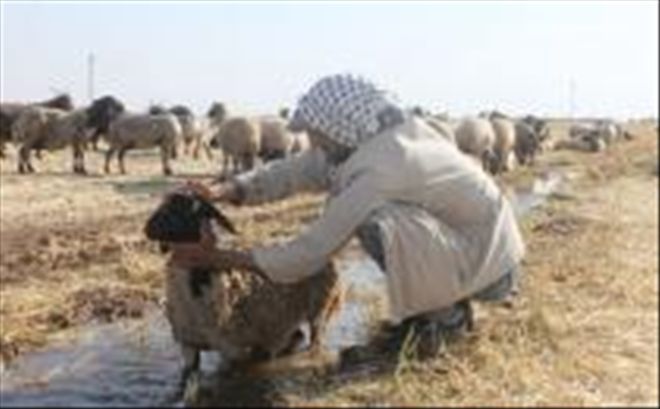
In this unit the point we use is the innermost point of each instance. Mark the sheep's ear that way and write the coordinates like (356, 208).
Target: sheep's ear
(222, 220)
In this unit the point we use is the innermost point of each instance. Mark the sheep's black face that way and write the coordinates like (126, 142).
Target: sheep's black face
(157, 110)
(62, 101)
(179, 219)
(181, 111)
(103, 111)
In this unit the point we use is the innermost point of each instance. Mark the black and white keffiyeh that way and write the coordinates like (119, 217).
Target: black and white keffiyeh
(348, 109)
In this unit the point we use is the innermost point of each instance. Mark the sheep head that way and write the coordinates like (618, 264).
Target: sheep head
(181, 217)
(181, 111)
(62, 101)
(157, 110)
(102, 112)
(217, 112)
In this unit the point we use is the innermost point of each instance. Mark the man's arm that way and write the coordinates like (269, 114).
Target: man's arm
(307, 171)
(306, 254)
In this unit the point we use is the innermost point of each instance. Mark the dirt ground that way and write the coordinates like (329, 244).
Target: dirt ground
(582, 332)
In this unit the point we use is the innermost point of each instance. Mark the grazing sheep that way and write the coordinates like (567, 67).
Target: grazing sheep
(240, 314)
(39, 128)
(528, 143)
(542, 130)
(476, 137)
(586, 142)
(5, 131)
(276, 140)
(125, 131)
(505, 140)
(10, 111)
(189, 127)
(607, 131)
(238, 137)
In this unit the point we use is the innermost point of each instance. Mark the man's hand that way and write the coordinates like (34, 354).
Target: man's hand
(191, 255)
(217, 192)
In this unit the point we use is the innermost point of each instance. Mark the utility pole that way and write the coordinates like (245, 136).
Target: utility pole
(90, 76)
(571, 97)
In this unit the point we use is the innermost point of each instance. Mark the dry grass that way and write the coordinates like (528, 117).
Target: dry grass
(582, 332)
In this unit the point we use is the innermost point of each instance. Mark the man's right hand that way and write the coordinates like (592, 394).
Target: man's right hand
(216, 192)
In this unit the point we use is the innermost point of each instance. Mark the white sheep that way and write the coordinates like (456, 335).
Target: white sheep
(124, 131)
(476, 138)
(276, 141)
(505, 140)
(238, 137)
(39, 128)
(9, 112)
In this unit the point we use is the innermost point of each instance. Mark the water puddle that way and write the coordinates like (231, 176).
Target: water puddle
(136, 363)
(524, 201)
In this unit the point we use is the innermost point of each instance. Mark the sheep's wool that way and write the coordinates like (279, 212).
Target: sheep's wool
(348, 109)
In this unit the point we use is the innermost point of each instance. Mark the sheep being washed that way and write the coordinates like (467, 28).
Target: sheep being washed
(240, 314)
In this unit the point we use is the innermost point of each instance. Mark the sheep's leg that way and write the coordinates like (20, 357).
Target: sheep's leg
(247, 162)
(197, 144)
(165, 153)
(24, 165)
(225, 163)
(78, 159)
(108, 157)
(209, 152)
(296, 339)
(21, 160)
(319, 323)
(190, 362)
(189, 381)
(120, 159)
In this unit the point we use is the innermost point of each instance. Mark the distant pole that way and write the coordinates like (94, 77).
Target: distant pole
(90, 76)
(571, 97)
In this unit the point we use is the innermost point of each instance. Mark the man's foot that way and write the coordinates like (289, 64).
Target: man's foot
(425, 334)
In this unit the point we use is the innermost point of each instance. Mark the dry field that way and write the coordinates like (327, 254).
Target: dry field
(584, 330)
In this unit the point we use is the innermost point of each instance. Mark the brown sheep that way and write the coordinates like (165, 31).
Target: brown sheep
(240, 314)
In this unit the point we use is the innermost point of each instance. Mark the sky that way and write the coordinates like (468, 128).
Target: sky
(256, 56)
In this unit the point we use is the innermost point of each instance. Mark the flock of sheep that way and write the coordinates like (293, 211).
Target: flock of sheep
(496, 140)
(55, 124)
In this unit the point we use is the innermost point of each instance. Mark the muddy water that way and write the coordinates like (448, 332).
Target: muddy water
(136, 363)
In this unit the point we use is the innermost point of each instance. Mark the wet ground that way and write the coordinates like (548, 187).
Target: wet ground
(136, 362)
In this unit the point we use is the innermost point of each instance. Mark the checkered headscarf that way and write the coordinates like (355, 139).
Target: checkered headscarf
(348, 109)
